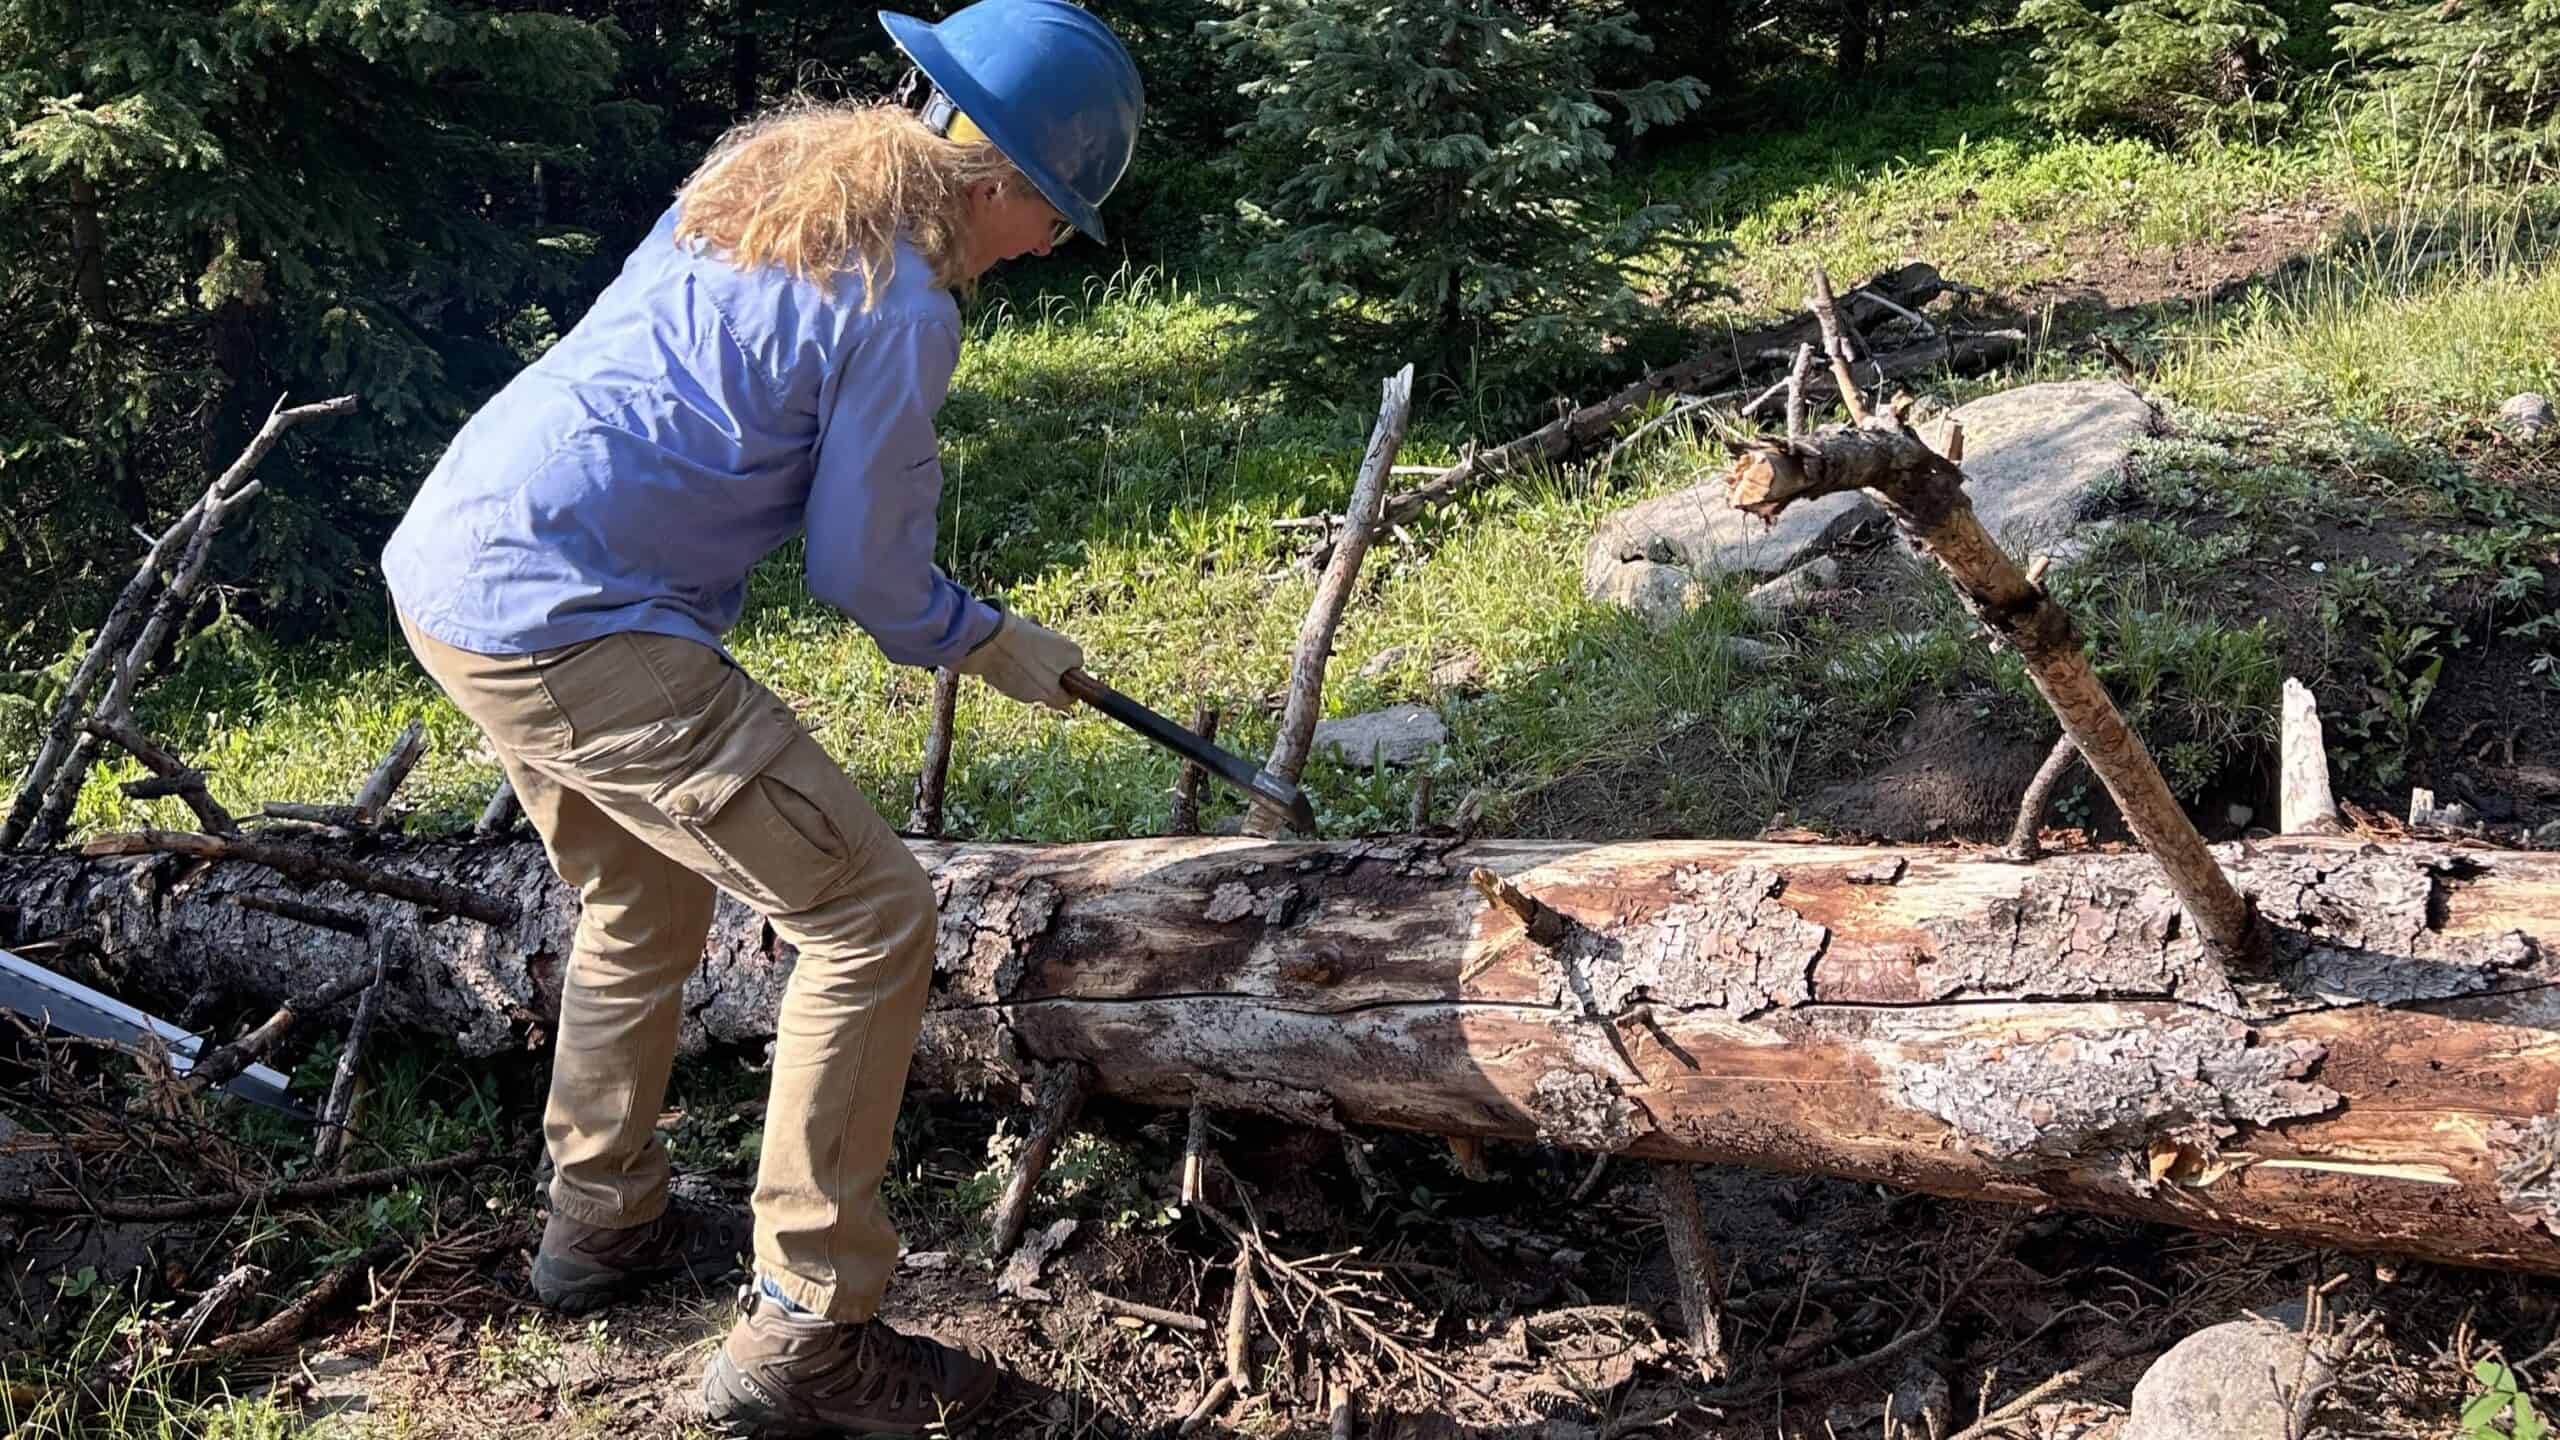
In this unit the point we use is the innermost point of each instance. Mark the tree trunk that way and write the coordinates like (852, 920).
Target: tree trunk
(1924, 1018)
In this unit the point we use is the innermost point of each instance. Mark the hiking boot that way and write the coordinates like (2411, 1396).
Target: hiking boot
(782, 1376)
(581, 1266)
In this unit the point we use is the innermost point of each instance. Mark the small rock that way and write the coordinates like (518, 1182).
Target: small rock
(1458, 672)
(2239, 815)
(1749, 654)
(2546, 836)
(1021, 1277)
(1793, 590)
(1658, 593)
(1384, 661)
(2221, 1384)
(2526, 417)
(1399, 735)
(925, 1260)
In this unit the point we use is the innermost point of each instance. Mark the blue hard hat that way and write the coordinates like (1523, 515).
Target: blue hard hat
(1046, 83)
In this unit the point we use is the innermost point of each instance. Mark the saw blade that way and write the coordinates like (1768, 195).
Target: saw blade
(61, 1003)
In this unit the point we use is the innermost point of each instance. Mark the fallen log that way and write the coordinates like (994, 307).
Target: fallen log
(1925, 1018)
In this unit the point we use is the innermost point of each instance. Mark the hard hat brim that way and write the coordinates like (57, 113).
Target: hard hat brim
(931, 56)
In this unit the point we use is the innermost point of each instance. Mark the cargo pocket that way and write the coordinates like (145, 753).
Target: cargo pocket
(756, 803)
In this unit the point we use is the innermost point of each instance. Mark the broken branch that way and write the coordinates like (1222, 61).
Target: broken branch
(1063, 1088)
(309, 865)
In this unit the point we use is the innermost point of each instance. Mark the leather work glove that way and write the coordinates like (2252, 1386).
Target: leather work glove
(1024, 659)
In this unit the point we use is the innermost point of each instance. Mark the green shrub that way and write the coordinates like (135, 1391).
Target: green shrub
(1422, 182)
(2165, 68)
(2478, 76)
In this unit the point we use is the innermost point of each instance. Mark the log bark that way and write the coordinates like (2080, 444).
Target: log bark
(1922, 1018)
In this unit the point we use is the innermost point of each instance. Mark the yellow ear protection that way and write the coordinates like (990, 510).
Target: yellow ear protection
(943, 118)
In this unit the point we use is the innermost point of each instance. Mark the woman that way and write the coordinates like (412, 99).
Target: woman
(767, 365)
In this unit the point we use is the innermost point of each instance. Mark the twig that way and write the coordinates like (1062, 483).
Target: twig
(1544, 924)
(1680, 411)
(1875, 1359)
(175, 598)
(222, 1062)
(1797, 375)
(1210, 1404)
(1063, 1087)
(336, 1111)
(1195, 1151)
(175, 777)
(287, 1325)
(1185, 816)
(2052, 1385)
(1170, 1319)
(206, 1207)
(1693, 1262)
(1591, 1177)
(1914, 316)
(2023, 844)
(156, 1342)
(499, 815)
(925, 818)
(1239, 1347)
(1339, 1401)
(1836, 345)
(309, 865)
(1324, 612)
(374, 796)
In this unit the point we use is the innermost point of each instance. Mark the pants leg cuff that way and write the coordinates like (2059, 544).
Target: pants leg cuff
(628, 1216)
(838, 1303)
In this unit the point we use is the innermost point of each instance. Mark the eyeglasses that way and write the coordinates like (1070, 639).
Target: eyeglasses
(1062, 232)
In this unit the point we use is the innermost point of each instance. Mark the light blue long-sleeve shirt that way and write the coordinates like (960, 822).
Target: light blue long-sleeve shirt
(698, 417)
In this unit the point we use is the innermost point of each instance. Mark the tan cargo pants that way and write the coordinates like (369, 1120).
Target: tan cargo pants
(655, 770)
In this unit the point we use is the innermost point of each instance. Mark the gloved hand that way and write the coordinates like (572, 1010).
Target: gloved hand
(1024, 660)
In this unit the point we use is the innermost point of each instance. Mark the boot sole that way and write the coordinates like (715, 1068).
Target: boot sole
(730, 1402)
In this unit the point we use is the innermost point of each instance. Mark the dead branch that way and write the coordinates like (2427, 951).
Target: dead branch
(1170, 1319)
(1062, 1092)
(2023, 845)
(1924, 494)
(175, 776)
(225, 1061)
(309, 865)
(1835, 343)
(337, 1112)
(288, 1324)
(925, 816)
(1185, 816)
(1693, 1262)
(1796, 376)
(225, 494)
(1324, 611)
(499, 815)
(1195, 1151)
(327, 917)
(208, 1207)
(1239, 1347)
(374, 796)
(1210, 1404)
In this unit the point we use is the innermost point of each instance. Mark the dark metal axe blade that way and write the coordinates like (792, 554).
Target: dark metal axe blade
(1234, 769)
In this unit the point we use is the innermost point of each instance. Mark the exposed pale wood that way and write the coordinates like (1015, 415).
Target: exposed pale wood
(1062, 1092)
(1930, 1019)
(373, 797)
(1693, 1265)
(1796, 375)
(2304, 804)
(1172, 1319)
(1195, 1152)
(1467, 1153)
(925, 817)
(1924, 494)
(1835, 343)
(1239, 1346)
(1324, 612)
(223, 1062)
(1338, 1397)
(1219, 1393)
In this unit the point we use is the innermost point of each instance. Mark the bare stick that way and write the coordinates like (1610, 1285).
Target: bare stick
(499, 815)
(309, 865)
(1591, 1177)
(2022, 844)
(183, 781)
(1210, 1404)
(335, 817)
(222, 1062)
(208, 1207)
(1418, 815)
(1063, 1087)
(2305, 805)
(2050, 1386)
(1324, 612)
(1240, 1324)
(174, 599)
(1195, 1151)
(1836, 345)
(284, 1327)
(336, 1111)
(1185, 816)
(1340, 1400)
(1693, 1261)
(925, 817)
(374, 796)
(1467, 1152)
(1914, 316)
(1171, 1319)
(1679, 411)
(1797, 374)
(327, 917)
(1925, 496)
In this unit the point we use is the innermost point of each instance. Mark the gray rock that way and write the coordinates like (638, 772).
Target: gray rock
(1399, 735)
(1384, 661)
(2222, 1383)
(2546, 836)
(2033, 454)
(1458, 672)
(1697, 535)
(2527, 417)
(1793, 590)
(1749, 654)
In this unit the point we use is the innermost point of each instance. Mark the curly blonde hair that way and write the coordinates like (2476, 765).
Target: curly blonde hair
(823, 189)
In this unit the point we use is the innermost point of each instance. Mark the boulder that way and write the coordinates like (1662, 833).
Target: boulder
(1796, 588)
(2033, 454)
(1399, 735)
(2032, 457)
(2232, 1381)
(2526, 417)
